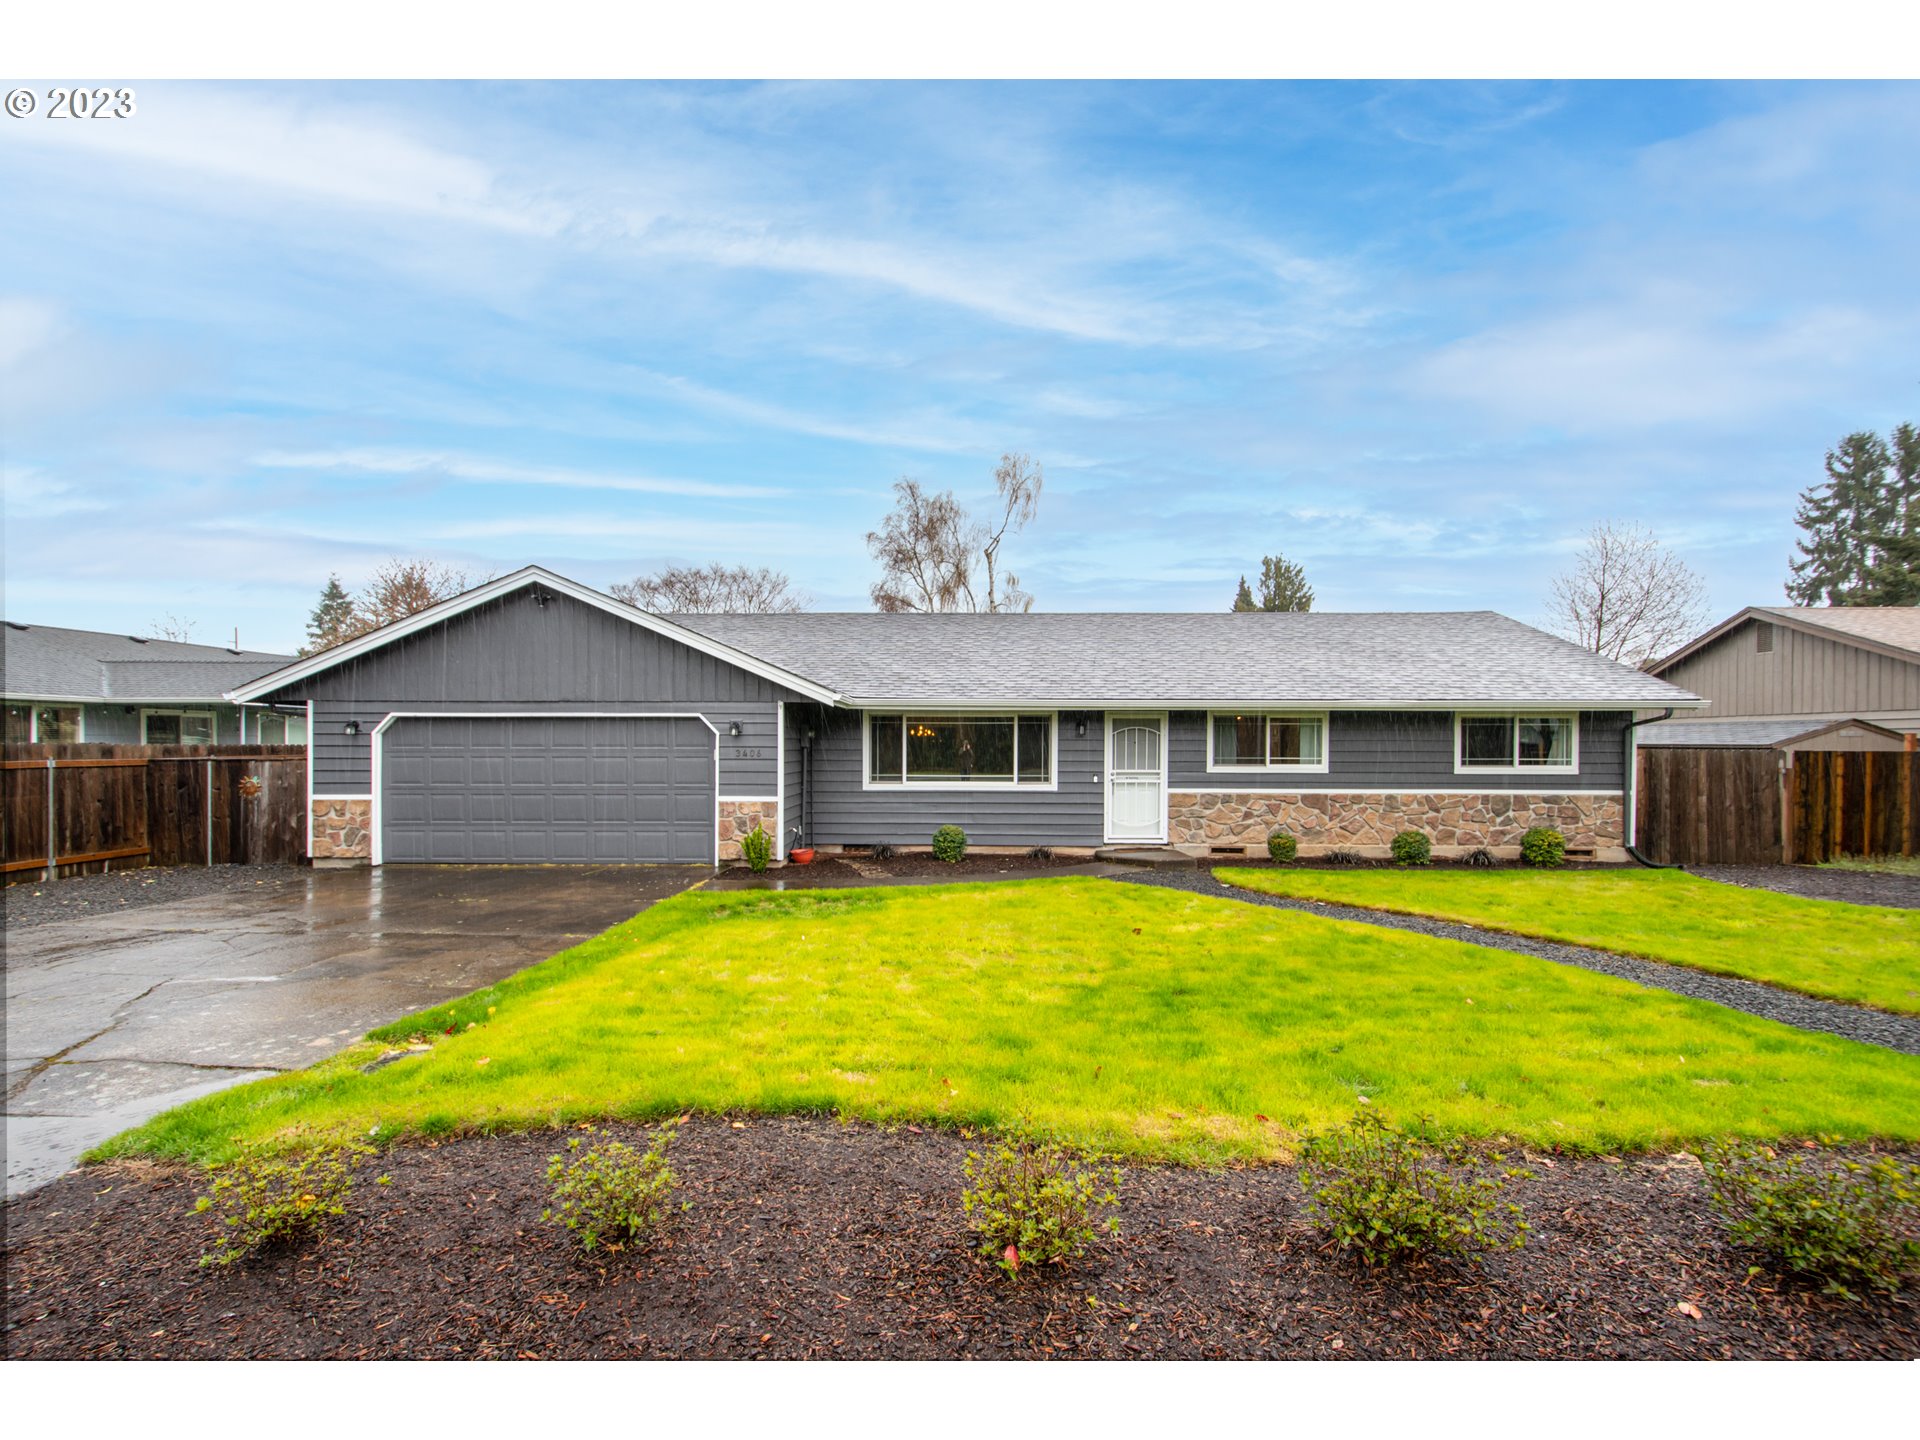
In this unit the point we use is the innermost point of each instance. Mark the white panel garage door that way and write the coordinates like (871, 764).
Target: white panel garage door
(547, 790)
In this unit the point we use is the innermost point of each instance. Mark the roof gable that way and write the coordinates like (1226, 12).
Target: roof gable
(1891, 630)
(530, 577)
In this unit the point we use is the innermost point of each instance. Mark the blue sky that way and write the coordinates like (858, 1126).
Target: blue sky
(1418, 337)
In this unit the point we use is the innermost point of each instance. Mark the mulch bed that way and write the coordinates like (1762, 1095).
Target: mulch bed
(79, 896)
(807, 1238)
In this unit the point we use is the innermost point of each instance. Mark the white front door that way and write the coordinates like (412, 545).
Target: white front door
(1136, 777)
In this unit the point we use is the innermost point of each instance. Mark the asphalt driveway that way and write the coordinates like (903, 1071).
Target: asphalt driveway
(112, 1018)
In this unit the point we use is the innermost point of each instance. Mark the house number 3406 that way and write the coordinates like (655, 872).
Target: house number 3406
(740, 754)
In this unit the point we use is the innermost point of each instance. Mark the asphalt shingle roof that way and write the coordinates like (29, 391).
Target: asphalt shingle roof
(1422, 657)
(56, 663)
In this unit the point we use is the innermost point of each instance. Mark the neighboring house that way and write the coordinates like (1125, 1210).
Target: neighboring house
(1779, 671)
(535, 720)
(81, 685)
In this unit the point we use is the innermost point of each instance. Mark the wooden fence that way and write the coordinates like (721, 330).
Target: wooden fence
(1853, 802)
(1705, 806)
(68, 807)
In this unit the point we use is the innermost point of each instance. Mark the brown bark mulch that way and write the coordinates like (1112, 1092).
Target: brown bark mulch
(807, 1238)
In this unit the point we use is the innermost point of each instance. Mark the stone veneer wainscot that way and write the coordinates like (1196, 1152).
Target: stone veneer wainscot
(737, 819)
(1368, 820)
(342, 829)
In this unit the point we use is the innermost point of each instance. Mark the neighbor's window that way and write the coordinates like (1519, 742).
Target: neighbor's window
(960, 749)
(56, 724)
(178, 727)
(19, 724)
(1270, 742)
(1511, 742)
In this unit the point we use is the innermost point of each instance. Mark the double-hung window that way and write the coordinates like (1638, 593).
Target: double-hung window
(1516, 744)
(942, 750)
(178, 727)
(1267, 740)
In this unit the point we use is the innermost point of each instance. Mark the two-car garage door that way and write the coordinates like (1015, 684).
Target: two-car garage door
(547, 790)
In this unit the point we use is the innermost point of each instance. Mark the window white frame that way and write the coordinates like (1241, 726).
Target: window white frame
(1572, 767)
(1052, 782)
(34, 707)
(212, 718)
(1266, 719)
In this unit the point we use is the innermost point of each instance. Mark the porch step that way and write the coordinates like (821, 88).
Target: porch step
(1157, 857)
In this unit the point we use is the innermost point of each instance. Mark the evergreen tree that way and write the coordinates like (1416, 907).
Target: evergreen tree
(332, 620)
(1283, 585)
(1859, 527)
(1243, 598)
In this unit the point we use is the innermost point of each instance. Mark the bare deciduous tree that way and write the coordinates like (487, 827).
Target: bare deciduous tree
(400, 588)
(1627, 596)
(714, 589)
(171, 628)
(931, 552)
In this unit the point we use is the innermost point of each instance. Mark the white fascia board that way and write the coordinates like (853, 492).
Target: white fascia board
(506, 585)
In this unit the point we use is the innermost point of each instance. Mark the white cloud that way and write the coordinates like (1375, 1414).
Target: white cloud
(32, 493)
(480, 471)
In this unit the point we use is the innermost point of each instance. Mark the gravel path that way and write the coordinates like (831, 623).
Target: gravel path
(80, 896)
(1813, 882)
(1853, 1022)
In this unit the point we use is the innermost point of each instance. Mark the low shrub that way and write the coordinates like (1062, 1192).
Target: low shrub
(1410, 847)
(1039, 852)
(263, 1199)
(882, 851)
(1847, 1224)
(1480, 858)
(950, 844)
(756, 848)
(1391, 1195)
(1282, 848)
(1032, 1202)
(1343, 857)
(1544, 847)
(611, 1194)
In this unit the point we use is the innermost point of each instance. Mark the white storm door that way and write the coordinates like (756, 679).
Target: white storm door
(1136, 778)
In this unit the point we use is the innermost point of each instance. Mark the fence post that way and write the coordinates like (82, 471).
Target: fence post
(53, 845)
(209, 809)
(1786, 807)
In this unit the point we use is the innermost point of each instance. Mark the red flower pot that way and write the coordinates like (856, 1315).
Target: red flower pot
(801, 856)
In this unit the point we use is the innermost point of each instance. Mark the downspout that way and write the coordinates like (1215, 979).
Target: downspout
(1633, 791)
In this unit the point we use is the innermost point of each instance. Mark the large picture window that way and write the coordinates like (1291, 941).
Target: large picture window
(1267, 741)
(959, 750)
(1516, 742)
(178, 727)
(56, 724)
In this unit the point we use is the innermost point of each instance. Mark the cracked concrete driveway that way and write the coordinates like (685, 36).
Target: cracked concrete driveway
(113, 1018)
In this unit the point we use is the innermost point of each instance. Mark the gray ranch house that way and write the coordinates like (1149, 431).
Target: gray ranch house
(65, 686)
(535, 720)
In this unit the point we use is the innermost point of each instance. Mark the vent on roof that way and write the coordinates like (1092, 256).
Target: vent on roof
(138, 639)
(15, 625)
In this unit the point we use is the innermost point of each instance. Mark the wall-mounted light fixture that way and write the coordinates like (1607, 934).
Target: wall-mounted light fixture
(352, 727)
(1080, 729)
(540, 598)
(733, 728)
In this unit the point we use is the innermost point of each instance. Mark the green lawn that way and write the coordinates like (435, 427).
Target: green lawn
(1148, 1022)
(1875, 864)
(1866, 954)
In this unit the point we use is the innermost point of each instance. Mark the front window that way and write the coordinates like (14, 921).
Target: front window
(56, 724)
(179, 727)
(19, 724)
(1265, 741)
(960, 749)
(1516, 742)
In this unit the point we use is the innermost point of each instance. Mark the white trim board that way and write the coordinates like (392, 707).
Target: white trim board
(377, 855)
(522, 579)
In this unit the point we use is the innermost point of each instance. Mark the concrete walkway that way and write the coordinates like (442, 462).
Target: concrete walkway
(113, 1018)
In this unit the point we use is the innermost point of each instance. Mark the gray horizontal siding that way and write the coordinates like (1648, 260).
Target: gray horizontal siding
(1396, 750)
(846, 814)
(800, 718)
(343, 764)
